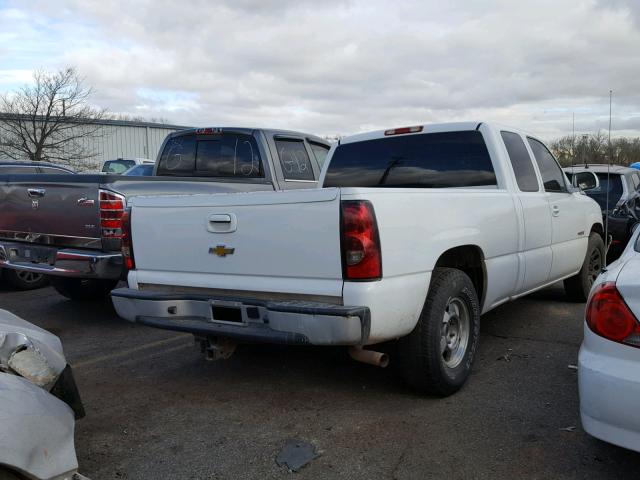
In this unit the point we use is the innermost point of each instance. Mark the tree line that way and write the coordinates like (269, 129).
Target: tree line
(595, 148)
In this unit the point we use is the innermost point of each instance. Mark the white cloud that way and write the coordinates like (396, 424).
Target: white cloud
(347, 66)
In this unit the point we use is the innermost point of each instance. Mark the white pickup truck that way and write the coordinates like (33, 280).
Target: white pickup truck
(416, 233)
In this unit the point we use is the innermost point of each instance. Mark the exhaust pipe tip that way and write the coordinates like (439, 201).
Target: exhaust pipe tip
(377, 359)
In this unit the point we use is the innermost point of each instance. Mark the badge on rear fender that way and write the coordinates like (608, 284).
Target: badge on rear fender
(221, 250)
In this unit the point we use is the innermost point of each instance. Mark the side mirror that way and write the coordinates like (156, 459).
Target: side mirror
(585, 180)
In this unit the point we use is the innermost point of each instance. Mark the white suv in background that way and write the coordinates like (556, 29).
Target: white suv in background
(121, 165)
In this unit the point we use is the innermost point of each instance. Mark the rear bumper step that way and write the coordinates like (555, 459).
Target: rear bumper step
(61, 262)
(246, 319)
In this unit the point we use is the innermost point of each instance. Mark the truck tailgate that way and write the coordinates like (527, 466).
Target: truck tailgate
(241, 241)
(61, 210)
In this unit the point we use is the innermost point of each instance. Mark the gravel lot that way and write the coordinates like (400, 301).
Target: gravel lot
(157, 409)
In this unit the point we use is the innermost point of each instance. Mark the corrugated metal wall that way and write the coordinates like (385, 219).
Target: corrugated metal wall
(119, 139)
(115, 141)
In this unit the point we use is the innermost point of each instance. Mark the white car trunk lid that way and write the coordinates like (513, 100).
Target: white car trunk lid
(628, 284)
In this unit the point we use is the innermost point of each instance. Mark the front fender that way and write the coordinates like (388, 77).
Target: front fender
(36, 433)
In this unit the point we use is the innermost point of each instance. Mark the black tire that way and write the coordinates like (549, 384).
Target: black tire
(83, 289)
(22, 280)
(426, 363)
(577, 287)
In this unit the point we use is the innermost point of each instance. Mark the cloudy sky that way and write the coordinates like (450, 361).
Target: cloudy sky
(340, 67)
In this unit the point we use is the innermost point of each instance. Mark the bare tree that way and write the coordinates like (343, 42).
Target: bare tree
(50, 120)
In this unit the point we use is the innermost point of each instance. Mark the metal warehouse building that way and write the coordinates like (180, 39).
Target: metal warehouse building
(129, 139)
(123, 139)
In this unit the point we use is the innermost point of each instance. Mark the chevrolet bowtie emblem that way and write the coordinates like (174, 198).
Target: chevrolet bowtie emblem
(221, 250)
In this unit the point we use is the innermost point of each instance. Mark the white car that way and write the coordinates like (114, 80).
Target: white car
(609, 361)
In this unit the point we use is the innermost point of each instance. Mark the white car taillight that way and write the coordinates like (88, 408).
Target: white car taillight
(609, 316)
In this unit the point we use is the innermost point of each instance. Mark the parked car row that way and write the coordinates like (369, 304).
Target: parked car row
(390, 243)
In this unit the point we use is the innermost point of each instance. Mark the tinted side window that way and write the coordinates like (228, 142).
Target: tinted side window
(521, 162)
(320, 152)
(17, 170)
(294, 160)
(53, 171)
(552, 176)
(430, 160)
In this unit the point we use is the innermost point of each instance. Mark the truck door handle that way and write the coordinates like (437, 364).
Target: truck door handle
(36, 192)
(555, 210)
(222, 223)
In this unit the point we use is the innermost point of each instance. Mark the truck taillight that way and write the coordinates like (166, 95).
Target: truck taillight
(111, 212)
(360, 242)
(115, 223)
(609, 316)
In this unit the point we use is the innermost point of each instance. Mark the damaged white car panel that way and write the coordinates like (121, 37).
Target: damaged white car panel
(39, 403)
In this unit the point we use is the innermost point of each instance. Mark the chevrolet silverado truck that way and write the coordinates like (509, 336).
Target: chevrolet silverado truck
(416, 232)
(70, 227)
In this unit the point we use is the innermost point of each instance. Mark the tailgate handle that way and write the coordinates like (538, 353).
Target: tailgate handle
(36, 192)
(222, 223)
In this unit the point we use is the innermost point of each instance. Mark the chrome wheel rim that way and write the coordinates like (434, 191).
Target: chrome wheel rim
(454, 335)
(595, 266)
(28, 277)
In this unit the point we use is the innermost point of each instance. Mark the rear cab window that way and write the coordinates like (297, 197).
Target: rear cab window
(227, 155)
(426, 160)
(520, 162)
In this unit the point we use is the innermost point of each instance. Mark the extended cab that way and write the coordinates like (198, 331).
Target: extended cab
(70, 227)
(416, 232)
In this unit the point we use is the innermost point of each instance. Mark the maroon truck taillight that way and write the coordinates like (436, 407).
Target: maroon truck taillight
(609, 316)
(115, 223)
(360, 242)
(111, 212)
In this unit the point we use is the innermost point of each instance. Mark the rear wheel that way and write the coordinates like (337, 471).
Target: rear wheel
(436, 357)
(577, 287)
(23, 280)
(83, 289)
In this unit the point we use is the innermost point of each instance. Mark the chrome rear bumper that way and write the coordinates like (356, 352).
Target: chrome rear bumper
(61, 262)
(246, 319)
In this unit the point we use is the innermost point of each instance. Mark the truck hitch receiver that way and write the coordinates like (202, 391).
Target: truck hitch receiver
(216, 348)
